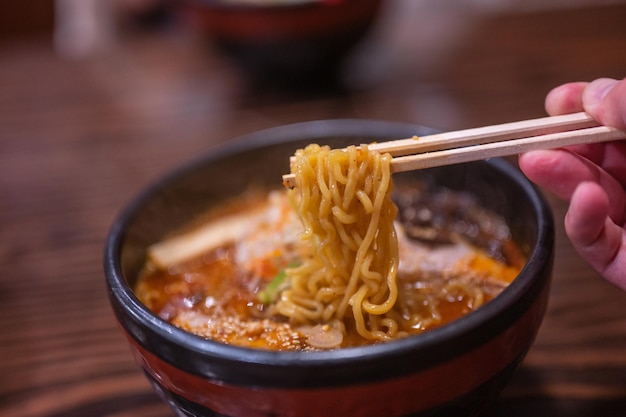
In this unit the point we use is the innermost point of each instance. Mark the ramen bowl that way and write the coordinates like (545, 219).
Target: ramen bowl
(457, 369)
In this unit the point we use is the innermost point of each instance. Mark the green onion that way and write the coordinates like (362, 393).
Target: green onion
(269, 293)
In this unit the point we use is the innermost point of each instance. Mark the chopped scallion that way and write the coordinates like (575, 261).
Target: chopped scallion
(268, 294)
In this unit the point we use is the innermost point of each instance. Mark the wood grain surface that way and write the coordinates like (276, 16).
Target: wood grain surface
(79, 138)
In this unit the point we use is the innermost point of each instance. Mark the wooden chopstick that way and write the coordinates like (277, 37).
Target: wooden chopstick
(486, 134)
(510, 147)
(491, 141)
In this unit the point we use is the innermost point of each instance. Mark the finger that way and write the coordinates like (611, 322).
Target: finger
(565, 99)
(609, 156)
(561, 171)
(597, 239)
(549, 169)
(605, 100)
(613, 160)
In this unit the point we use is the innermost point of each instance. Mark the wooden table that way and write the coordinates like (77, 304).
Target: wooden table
(78, 139)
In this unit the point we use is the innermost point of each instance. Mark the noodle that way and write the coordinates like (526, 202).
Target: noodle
(344, 201)
(333, 262)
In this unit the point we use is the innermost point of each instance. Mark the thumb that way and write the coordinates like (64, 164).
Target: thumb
(605, 100)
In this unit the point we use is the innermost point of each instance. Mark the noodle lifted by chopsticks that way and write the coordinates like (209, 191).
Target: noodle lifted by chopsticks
(343, 198)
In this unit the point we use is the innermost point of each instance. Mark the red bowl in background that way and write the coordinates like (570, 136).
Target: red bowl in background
(284, 42)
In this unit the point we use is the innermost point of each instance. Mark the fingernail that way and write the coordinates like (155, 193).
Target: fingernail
(596, 91)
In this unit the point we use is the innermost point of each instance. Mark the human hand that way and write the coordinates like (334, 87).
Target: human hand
(592, 178)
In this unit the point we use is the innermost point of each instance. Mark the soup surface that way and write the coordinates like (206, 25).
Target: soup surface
(220, 279)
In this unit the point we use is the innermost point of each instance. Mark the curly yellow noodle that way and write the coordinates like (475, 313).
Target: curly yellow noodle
(344, 201)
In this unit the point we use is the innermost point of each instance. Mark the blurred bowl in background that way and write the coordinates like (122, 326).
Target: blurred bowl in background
(297, 43)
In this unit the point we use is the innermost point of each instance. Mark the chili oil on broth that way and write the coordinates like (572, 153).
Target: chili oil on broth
(455, 256)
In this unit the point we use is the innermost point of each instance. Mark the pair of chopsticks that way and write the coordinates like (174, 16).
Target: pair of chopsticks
(491, 141)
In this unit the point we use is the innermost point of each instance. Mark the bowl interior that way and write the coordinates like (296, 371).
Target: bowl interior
(260, 160)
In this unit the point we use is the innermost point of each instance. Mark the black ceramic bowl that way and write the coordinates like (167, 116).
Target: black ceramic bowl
(457, 369)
